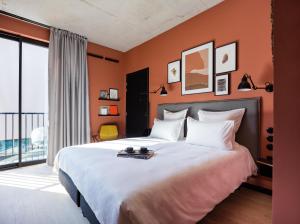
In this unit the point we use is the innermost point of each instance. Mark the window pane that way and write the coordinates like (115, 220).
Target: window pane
(34, 102)
(9, 103)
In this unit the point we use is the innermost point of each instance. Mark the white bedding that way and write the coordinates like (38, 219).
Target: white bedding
(180, 184)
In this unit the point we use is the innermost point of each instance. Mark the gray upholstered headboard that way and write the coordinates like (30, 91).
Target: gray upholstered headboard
(249, 131)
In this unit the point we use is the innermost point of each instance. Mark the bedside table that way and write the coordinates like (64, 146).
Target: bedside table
(263, 181)
(265, 167)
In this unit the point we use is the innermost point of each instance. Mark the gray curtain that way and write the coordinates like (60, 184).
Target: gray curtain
(69, 122)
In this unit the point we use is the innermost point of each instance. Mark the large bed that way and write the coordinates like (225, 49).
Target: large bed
(180, 184)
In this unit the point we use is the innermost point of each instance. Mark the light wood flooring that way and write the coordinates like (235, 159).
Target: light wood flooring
(244, 206)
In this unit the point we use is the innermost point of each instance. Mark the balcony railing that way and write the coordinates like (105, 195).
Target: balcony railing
(34, 137)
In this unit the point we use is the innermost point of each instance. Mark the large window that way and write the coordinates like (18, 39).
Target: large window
(24, 100)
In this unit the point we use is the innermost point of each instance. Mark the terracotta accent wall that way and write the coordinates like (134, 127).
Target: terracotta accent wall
(102, 74)
(286, 176)
(248, 22)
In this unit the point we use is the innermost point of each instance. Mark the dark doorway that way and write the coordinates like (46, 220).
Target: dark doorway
(137, 103)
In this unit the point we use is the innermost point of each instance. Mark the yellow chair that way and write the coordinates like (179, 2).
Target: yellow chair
(108, 132)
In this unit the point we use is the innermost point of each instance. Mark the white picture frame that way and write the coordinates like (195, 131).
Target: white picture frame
(113, 94)
(174, 71)
(197, 69)
(226, 58)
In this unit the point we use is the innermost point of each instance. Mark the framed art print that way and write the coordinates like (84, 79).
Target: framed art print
(103, 94)
(226, 58)
(197, 69)
(113, 94)
(174, 71)
(222, 84)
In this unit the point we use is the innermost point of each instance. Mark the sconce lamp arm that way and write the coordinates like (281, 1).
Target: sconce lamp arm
(155, 91)
(252, 83)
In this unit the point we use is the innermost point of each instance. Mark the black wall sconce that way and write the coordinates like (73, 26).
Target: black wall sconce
(246, 86)
(163, 91)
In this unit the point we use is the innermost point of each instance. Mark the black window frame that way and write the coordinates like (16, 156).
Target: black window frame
(21, 39)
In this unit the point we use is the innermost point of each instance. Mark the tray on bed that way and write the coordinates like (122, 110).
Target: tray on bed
(136, 154)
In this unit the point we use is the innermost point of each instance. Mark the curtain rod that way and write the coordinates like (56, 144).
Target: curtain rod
(48, 27)
(102, 57)
(24, 19)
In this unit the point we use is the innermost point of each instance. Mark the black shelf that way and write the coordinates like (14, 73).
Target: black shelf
(109, 99)
(265, 162)
(108, 115)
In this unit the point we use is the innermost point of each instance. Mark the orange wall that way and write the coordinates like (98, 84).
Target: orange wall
(248, 22)
(102, 74)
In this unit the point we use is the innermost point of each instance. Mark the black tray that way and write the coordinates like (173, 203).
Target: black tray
(136, 154)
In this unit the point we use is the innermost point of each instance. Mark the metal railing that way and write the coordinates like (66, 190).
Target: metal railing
(9, 136)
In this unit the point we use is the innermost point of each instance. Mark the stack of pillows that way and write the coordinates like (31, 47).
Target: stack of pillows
(215, 129)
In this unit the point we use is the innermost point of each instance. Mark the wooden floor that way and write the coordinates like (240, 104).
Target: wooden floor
(245, 206)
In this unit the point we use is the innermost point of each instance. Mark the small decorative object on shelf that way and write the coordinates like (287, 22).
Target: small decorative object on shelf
(113, 110)
(113, 94)
(103, 94)
(108, 110)
(103, 110)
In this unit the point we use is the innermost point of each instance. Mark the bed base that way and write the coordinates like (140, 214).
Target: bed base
(87, 211)
(75, 195)
(70, 187)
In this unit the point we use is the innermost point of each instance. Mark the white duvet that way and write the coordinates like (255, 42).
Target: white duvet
(180, 184)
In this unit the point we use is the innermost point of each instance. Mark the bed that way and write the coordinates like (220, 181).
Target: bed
(180, 184)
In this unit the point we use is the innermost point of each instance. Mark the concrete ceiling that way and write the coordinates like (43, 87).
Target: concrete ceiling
(118, 24)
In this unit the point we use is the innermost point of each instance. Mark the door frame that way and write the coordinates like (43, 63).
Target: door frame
(147, 69)
(20, 40)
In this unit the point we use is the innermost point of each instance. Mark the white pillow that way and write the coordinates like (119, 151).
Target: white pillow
(168, 115)
(167, 129)
(234, 115)
(218, 134)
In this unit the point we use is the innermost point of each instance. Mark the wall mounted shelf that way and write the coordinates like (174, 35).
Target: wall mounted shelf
(109, 99)
(108, 115)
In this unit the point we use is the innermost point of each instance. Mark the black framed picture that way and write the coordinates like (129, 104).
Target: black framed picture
(113, 93)
(222, 84)
(226, 58)
(103, 94)
(174, 71)
(197, 69)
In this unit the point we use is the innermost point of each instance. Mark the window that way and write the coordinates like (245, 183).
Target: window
(24, 100)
